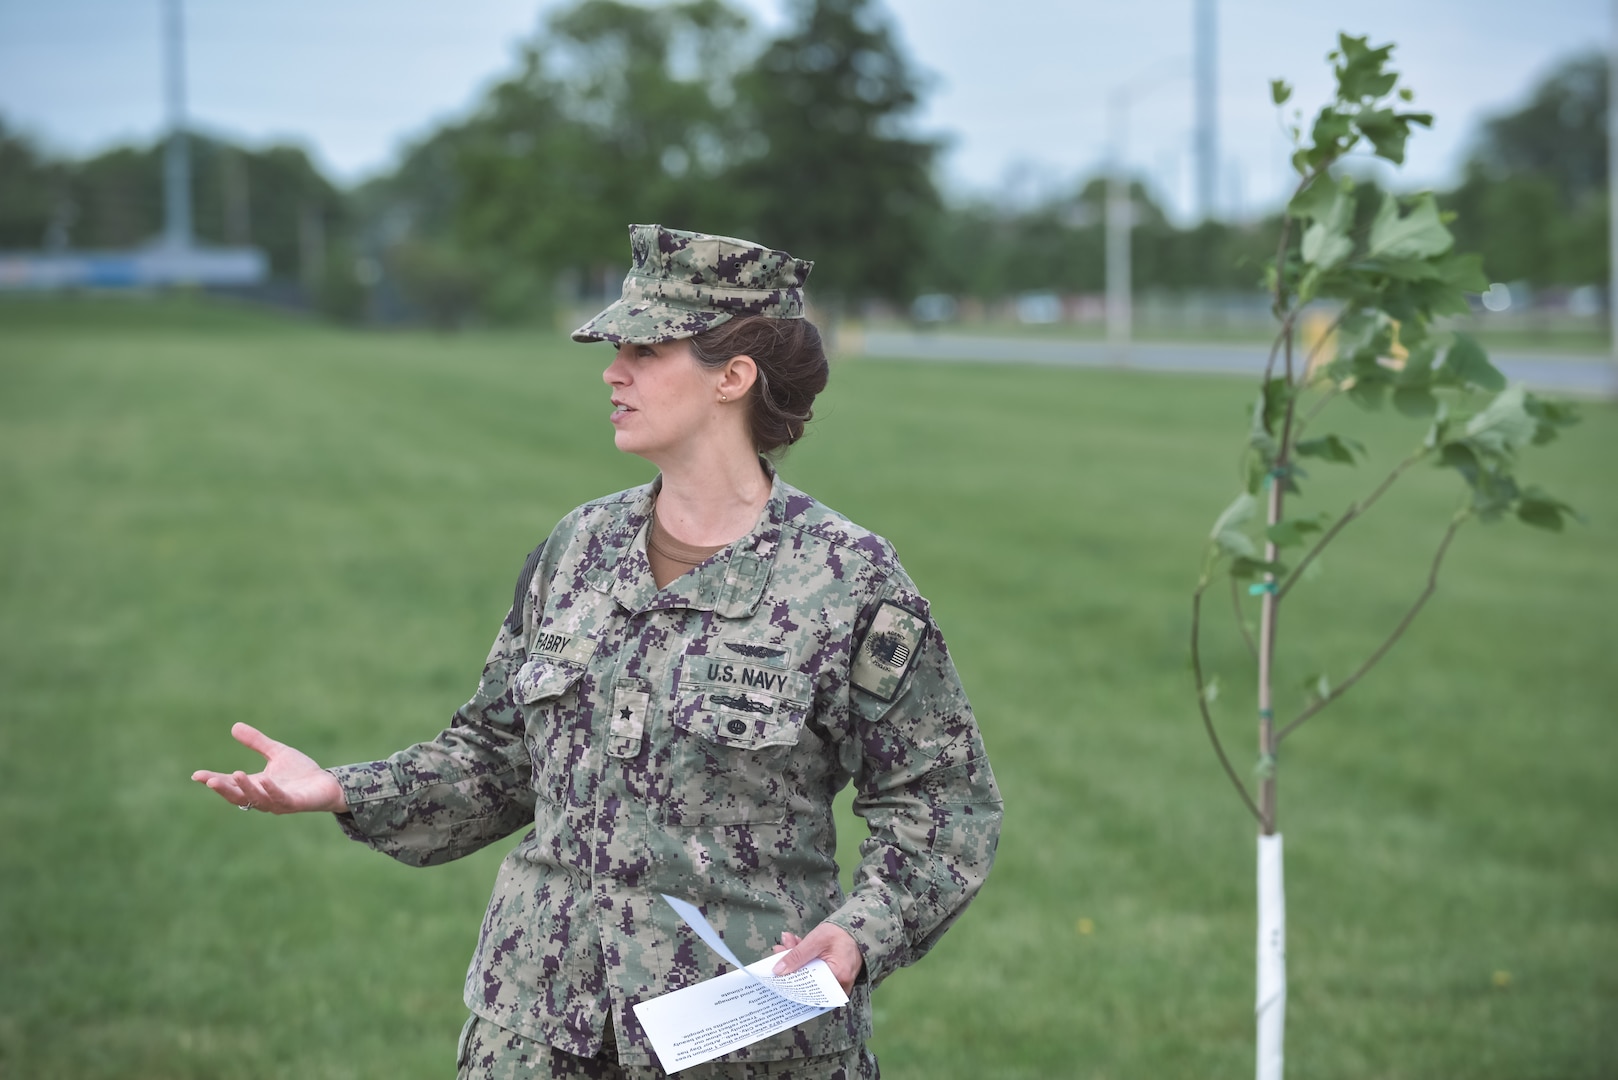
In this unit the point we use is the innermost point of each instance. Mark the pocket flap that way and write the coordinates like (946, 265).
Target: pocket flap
(540, 679)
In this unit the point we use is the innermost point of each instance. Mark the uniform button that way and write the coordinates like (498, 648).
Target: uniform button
(737, 727)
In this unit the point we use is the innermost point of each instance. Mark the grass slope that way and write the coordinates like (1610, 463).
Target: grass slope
(212, 517)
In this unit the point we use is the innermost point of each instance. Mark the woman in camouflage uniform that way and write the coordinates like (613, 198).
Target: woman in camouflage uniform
(689, 673)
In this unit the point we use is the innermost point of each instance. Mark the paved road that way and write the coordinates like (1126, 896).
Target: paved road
(1555, 374)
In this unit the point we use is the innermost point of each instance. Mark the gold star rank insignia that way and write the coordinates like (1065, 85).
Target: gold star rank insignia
(885, 656)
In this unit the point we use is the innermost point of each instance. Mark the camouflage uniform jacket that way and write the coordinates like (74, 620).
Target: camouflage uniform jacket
(690, 740)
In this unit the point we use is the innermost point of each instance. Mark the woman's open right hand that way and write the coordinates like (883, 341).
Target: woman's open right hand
(290, 783)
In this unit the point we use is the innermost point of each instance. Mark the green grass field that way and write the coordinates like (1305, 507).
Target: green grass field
(208, 516)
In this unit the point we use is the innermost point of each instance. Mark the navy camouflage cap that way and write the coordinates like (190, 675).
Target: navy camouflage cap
(682, 283)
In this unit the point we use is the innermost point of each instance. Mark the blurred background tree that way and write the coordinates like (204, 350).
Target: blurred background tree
(33, 188)
(683, 113)
(833, 171)
(619, 114)
(1534, 199)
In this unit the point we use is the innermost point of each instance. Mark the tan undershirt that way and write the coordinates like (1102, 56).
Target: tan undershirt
(669, 557)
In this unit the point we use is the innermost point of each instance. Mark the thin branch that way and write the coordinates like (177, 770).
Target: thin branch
(1283, 456)
(1354, 510)
(1286, 222)
(1398, 632)
(1275, 350)
(1279, 303)
(1314, 411)
(1286, 238)
(1241, 623)
(1202, 703)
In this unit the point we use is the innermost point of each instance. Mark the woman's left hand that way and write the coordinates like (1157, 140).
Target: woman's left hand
(826, 942)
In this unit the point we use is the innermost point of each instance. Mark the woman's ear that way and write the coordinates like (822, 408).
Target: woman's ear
(737, 378)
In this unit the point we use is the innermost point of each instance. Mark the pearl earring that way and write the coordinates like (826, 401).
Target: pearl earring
(722, 397)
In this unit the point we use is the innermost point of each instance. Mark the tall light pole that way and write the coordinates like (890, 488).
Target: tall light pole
(1612, 184)
(1120, 220)
(177, 155)
(1205, 92)
(1120, 217)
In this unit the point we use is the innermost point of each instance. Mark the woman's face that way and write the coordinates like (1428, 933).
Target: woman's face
(663, 399)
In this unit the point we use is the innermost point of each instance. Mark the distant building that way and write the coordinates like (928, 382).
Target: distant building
(157, 266)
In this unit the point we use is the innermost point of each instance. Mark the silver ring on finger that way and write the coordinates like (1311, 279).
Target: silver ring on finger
(245, 806)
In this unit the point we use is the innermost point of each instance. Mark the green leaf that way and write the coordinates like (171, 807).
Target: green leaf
(1360, 75)
(1421, 351)
(1466, 364)
(1416, 235)
(1407, 94)
(1425, 300)
(1463, 271)
(1309, 287)
(1320, 200)
(1504, 426)
(1292, 533)
(1458, 455)
(1493, 489)
(1323, 248)
(1237, 544)
(1543, 510)
(1368, 394)
(1326, 242)
(1330, 129)
(1541, 515)
(1438, 433)
(1245, 569)
(1363, 332)
(1280, 91)
(1493, 493)
(1317, 686)
(1336, 448)
(1272, 403)
(1405, 269)
(1227, 529)
(1386, 132)
(1257, 466)
(1549, 415)
(1417, 401)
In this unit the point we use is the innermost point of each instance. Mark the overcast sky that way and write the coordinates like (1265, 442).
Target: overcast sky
(1019, 87)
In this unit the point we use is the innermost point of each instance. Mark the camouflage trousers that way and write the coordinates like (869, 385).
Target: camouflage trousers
(491, 1052)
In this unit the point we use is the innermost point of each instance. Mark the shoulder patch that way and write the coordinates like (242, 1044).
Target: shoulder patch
(888, 651)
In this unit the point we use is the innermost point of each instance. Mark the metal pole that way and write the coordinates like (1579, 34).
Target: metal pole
(177, 156)
(1205, 91)
(1119, 219)
(1612, 184)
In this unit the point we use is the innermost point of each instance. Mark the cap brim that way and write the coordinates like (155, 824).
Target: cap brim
(625, 322)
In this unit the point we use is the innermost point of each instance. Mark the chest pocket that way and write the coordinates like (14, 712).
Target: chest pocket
(547, 685)
(734, 724)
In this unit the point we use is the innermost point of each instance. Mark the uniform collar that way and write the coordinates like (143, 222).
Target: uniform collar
(730, 583)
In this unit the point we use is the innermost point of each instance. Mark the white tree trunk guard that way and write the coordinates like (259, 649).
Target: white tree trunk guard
(1271, 1007)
